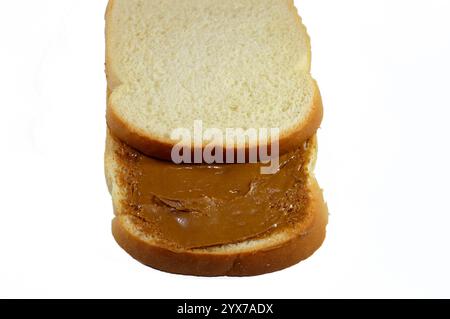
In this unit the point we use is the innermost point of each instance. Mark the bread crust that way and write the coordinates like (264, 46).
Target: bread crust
(302, 243)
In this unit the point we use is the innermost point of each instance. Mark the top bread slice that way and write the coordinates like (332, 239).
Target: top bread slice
(232, 64)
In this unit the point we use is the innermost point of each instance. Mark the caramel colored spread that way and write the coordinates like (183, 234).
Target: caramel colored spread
(193, 206)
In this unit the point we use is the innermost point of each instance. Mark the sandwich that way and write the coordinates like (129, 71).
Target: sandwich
(243, 65)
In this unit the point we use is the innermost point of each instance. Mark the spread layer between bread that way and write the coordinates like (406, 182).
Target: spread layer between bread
(195, 206)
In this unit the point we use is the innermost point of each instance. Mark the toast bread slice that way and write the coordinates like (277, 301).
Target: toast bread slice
(231, 64)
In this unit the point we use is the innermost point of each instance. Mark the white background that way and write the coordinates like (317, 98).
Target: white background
(384, 71)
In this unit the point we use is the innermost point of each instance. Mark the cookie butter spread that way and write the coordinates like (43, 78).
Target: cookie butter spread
(193, 206)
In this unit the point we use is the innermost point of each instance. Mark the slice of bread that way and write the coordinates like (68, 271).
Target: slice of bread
(271, 251)
(232, 64)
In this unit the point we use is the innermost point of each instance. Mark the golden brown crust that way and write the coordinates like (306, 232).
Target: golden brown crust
(289, 141)
(292, 139)
(307, 239)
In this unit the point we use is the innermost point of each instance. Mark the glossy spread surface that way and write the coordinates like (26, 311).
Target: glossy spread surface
(195, 206)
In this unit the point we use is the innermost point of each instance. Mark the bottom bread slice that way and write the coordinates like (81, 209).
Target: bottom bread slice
(267, 253)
